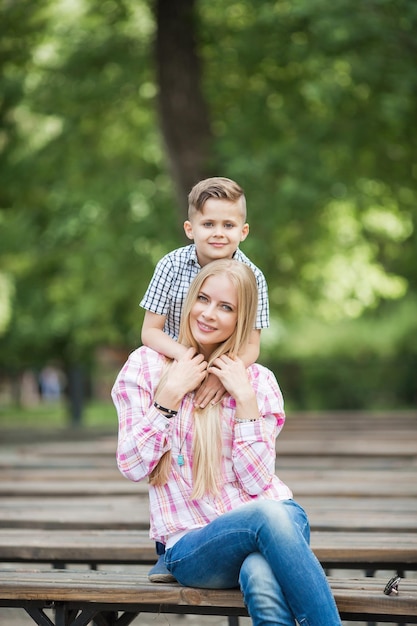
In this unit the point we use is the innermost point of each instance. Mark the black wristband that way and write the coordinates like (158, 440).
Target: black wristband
(167, 412)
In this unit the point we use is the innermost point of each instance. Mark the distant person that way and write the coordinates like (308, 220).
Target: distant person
(217, 224)
(215, 500)
(50, 384)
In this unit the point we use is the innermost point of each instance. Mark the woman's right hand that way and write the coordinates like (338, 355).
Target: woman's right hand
(184, 376)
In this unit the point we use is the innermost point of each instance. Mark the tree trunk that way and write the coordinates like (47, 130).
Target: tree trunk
(182, 109)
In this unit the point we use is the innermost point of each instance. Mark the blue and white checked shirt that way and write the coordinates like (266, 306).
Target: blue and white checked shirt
(172, 278)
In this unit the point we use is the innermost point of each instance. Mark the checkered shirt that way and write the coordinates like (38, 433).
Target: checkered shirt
(172, 278)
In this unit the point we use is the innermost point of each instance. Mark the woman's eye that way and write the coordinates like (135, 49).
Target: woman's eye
(226, 307)
(202, 298)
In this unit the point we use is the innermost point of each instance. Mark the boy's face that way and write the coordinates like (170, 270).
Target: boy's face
(217, 230)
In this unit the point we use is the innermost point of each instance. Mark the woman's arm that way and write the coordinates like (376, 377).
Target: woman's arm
(258, 417)
(144, 430)
(253, 453)
(144, 433)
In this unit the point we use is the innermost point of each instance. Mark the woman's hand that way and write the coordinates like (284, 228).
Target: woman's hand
(184, 376)
(233, 376)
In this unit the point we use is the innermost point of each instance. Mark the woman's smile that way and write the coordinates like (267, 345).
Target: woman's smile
(204, 327)
(213, 316)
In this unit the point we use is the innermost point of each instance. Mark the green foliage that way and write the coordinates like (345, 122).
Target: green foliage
(312, 105)
(83, 232)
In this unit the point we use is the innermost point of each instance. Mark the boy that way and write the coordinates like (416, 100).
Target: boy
(217, 224)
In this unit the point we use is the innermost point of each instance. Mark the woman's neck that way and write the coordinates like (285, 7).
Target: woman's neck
(207, 351)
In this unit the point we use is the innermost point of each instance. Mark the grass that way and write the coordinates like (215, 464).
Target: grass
(97, 415)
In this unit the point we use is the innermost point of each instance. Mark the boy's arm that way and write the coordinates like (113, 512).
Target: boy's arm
(154, 337)
(251, 353)
(212, 389)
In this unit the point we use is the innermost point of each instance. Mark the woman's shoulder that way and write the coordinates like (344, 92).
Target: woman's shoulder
(260, 372)
(147, 357)
(267, 391)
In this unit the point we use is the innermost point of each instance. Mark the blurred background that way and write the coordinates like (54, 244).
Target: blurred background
(110, 110)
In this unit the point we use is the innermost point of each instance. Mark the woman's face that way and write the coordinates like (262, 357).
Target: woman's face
(213, 316)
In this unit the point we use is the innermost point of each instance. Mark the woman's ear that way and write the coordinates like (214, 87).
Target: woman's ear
(188, 229)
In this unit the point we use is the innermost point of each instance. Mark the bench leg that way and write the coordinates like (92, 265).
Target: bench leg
(106, 618)
(233, 620)
(71, 617)
(38, 616)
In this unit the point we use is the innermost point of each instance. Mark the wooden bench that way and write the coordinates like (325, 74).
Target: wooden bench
(78, 597)
(347, 550)
(131, 512)
(310, 481)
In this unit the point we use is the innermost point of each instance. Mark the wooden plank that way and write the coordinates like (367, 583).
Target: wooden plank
(132, 512)
(343, 433)
(76, 546)
(326, 482)
(122, 512)
(349, 445)
(353, 596)
(365, 548)
(61, 487)
(351, 482)
(108, 546)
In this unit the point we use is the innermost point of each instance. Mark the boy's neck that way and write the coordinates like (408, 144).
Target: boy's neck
(210, 260)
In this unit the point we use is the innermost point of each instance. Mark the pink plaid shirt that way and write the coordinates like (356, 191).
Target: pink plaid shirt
(248, 466)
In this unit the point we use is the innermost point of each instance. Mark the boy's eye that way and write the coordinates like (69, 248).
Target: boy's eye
(208, 224)
(229, 225)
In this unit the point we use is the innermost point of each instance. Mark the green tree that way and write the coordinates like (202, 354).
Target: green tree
(111, 111)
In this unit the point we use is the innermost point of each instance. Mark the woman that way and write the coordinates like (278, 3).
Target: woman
(215, 501)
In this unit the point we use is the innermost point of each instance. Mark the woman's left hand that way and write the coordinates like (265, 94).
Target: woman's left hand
(233, 375)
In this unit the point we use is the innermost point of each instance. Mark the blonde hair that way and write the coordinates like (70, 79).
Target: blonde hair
(215, 187)
(207, 436)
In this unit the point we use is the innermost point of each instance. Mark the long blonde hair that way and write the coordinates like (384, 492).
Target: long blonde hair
(207, 436)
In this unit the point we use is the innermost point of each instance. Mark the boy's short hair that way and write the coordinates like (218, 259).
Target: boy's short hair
(216, 187)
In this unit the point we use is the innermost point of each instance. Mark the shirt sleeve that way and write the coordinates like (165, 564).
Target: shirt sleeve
(262, 317)
(253, 451)
(158, 294)
(144, 434)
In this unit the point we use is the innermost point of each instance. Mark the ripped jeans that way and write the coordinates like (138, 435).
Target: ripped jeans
(264, 547)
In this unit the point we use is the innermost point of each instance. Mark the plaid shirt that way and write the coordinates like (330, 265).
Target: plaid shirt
(172, 278)
(248, 465)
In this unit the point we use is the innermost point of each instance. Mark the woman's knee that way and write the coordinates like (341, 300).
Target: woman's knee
(283, 516)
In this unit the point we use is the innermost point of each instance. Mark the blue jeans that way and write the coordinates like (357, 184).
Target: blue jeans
(264, 547)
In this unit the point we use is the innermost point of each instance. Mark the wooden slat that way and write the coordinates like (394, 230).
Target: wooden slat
(313, 482)
(76, 546)
(107, 546)
(132, 512)
(364, 596)
(64, 487)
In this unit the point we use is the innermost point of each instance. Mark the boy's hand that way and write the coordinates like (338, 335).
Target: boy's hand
(211, 390)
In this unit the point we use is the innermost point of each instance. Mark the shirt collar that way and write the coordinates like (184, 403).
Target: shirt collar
(192, 255)
(193, 260)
